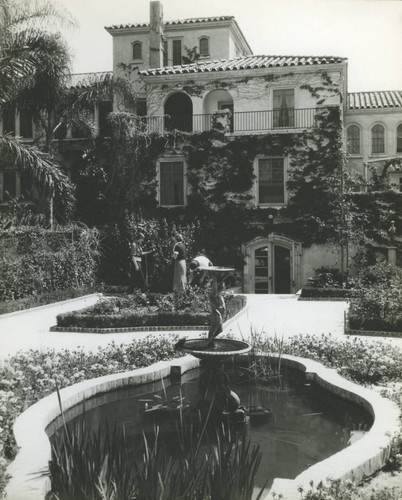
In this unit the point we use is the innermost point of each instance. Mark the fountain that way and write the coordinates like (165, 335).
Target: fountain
(216, 399)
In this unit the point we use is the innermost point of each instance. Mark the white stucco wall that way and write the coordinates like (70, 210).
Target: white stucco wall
(251, 90)
(318, 256)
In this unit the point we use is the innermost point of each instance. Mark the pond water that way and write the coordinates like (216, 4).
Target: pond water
(308, 424)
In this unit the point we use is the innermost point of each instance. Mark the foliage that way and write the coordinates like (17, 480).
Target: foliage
(180, 308)
(96, 465)
(35, 261)
(373, 362)
(116, 261)
(43, 299)
(346, 490)
(29, 376)
(378, 305)
(326, 292)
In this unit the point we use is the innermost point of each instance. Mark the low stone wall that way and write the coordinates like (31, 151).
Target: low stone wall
(361, 459)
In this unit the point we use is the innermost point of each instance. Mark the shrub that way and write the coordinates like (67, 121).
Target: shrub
(35, 261)
(378, 306)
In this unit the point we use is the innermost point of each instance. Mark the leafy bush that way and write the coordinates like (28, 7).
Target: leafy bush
(36, 261)
(190, 307)
(378, 306)
(29, 376)
(356, 359)
(43, 299)
(326, 277)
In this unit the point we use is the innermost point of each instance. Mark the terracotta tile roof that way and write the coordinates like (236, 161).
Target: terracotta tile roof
(192, 20)
(85, 79)
(243, 62)
(372, 100)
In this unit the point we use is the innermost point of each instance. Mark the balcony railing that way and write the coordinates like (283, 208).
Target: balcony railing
(244, 121)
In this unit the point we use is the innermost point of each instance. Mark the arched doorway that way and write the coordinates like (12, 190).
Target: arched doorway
(272, 265)
(179, 112)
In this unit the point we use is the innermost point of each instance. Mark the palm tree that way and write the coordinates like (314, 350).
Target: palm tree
(27, 48)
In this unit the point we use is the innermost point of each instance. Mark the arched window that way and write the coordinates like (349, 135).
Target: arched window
(137, 50)
(353, 138)
(399, 139)
(377, 139)
(204, 47)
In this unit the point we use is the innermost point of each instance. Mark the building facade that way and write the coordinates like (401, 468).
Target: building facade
(197, 76)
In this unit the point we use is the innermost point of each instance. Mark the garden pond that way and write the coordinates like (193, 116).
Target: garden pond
(308, 424)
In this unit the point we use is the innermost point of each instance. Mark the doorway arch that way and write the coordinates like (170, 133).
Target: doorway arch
(272, 265)
(179, 112)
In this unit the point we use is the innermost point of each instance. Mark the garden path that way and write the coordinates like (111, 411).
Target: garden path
(269, 315)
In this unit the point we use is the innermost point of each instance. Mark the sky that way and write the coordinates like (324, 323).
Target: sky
(367, 32)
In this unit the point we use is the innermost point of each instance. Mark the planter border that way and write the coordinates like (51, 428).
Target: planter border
(361, 459)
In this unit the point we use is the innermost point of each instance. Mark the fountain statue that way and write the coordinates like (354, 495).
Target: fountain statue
(215, 398)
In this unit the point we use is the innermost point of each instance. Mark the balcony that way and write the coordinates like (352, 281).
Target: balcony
(236, 123)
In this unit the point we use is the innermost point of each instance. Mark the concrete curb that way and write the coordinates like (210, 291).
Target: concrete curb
(50, 306)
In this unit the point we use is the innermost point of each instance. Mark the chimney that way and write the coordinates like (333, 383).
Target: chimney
(156, 35)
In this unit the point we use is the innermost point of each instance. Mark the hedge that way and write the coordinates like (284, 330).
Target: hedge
(317, 292)
(133, 318)
(375, 324)
(36, 261)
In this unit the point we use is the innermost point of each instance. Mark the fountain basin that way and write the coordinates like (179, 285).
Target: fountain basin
(220, 348)
(363, 458)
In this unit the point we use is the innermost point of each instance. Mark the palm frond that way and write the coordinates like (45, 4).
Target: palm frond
(44, 170)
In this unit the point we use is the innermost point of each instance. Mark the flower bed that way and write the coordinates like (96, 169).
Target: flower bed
(189, 308)
(28, 377)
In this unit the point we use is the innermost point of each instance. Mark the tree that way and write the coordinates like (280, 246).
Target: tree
(25, 46)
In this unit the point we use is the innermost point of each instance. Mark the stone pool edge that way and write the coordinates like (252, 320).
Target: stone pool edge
(361, 459)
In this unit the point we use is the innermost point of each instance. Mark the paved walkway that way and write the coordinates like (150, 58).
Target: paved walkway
(268, 315)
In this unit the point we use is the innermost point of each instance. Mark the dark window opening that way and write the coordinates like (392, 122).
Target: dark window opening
(378, 139)
(105, 107)
(271, 180)
(171, 183)
(353, 138)
(165, 53)
(284, 112)
(177, 54)
(26, 129)
(8, 115)
(399, 139)
(204, 47)
(137, 50)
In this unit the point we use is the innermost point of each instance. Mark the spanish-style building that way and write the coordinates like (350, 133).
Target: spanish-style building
(194, 75)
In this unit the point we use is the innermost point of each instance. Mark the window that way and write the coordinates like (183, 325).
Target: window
(8, 116)
(141, 107)
(271, 181)
(399, 139)
(165, 53)
(283, 104)
(176, 52)
(204, 47)
(353, 139)
(105, 107)
(26, 125)
(171, 176)
(137, 50)
(377, 139)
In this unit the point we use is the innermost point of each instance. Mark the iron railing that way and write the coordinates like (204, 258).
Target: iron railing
(243, 121)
